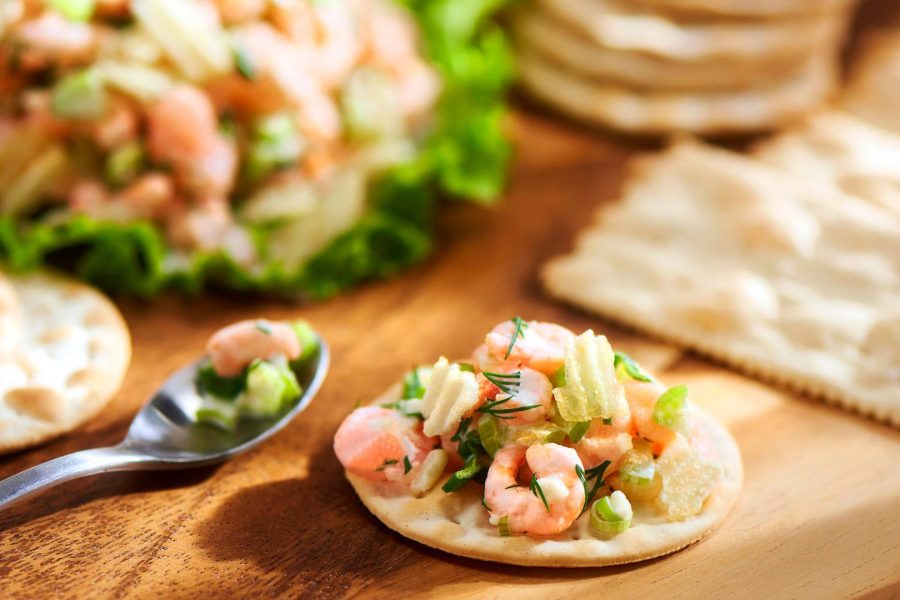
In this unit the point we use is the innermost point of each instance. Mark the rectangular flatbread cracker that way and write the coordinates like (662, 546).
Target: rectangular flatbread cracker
(780, 275)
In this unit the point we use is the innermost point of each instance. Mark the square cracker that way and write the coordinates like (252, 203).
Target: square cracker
(778, 275)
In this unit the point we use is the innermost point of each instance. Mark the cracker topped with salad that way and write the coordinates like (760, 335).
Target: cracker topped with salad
(546, 448)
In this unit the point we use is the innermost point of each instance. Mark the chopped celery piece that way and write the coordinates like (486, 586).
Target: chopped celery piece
(627, 368)
(503, 526)
(370, 105)
(74, 10)
(269, 387)
(309, 339)
(123, 165)
(492, 433)
(80, 96)
(592, 389)
(641, 492)
(221, 413)
(544, 433)
(611, 515)
(671, 410)
(577, 431)
(213, 384)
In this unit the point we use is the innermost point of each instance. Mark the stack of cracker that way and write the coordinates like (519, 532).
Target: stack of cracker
(64, 350)
(784, 263)
(663, 66)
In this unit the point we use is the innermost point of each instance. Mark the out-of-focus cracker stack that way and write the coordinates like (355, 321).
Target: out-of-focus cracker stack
(663, 66)
(64, 350)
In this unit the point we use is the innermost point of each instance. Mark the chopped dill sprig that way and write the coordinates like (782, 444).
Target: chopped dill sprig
(386, 464)
(521, 326)
(407, 466)
(502, 413)
(538, 491)
(507, 382)
(595, 473)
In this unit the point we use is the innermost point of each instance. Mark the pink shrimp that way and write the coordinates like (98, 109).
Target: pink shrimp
(234, 347)
(373, 442)
(527, 387)
(641, 398)
(240, 11)
(51, 39)
(541, 346)
(117, 127)
(554, 466)
(150, 196)
(183, 131)
(209, 225)
(605, 442)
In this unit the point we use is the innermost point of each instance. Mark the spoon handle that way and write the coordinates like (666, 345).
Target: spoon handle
(71, 466)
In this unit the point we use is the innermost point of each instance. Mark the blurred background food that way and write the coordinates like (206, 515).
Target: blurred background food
(701, 66)
(288, 146)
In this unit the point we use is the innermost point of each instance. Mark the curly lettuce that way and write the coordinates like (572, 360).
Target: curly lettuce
(465, 156)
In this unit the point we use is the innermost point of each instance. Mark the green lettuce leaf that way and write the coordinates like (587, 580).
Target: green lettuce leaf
(465, 155)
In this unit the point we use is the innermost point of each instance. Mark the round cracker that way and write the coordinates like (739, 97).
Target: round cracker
(745, 8)
(540, 33)
(70, 360)
(610, 25)
(458, 523)
(636, 111)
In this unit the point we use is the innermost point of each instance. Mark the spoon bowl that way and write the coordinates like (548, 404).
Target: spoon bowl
(165, 434)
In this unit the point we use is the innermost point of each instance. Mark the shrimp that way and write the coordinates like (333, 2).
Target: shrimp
(554, 466)
(530, 388)
(541, 346)
(209, 226)
(51, 39)
(605, 442)
(150, 196)
(641, 398)
(117, 127)
(373, 442)
(234, 347)
(239, 11)
(338, 46)
(183, 131)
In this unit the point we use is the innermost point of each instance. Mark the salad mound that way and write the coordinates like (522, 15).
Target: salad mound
(559, 436)
(289, 145)
(251, 370)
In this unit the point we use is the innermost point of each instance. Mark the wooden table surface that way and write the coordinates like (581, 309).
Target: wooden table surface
(819, 516)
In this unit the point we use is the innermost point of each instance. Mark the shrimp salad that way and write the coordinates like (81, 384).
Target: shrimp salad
(251, 370)
(555, 427)
(281, 139)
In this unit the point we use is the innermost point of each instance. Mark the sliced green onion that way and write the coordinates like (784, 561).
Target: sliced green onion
(503, 526)
(637, 466)
(124, 164)
(369, 105)
(276, 143)
(641, 492)
(578, 430)
(625, 365)
(243, 62)
(611, 515)
(469, 367)
(80, 96)
(219, 413)
(492, 433)
(412, 384)
(671, 410)
(74, 10)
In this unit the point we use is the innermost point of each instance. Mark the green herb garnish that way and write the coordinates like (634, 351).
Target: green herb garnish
(501, 413)
(264, 327)
(607, 421)
(407, 466)
(412, 385)
(388, 462)
(631, 368)
(507, 382)
(244, 63)
(538, 491)
(226, 388)
(596, 474)
(521, 326)
(464, 475)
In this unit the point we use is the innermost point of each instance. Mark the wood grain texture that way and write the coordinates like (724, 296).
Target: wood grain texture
(818, 517)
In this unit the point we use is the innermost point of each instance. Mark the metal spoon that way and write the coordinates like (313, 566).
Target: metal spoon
(165, 435)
